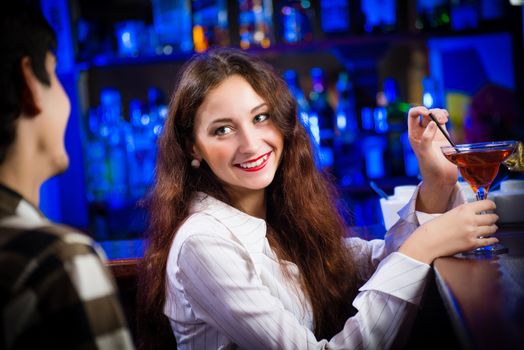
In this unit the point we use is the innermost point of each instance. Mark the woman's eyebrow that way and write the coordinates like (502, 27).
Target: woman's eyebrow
(258, 107)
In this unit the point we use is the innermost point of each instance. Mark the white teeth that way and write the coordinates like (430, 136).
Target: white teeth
(254, 164)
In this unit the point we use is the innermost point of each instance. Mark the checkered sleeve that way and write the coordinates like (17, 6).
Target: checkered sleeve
(67, 298)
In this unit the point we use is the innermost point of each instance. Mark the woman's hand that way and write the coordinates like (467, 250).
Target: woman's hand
(460, 229)
(426, 140)
(439, 175)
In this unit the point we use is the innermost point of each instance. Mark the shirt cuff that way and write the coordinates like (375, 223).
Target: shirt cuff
(411, 215)
(425, 217)
(400, 276)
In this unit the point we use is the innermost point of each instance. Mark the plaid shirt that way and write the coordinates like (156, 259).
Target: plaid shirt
(55, 292)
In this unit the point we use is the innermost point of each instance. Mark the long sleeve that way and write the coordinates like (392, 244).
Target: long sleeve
(410, 219)
(220, 283)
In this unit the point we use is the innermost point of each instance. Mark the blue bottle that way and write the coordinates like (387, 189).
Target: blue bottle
(117, 133)
(321, 118)
(348, 164)
(172, 23)
(97, 167)
(141, 151)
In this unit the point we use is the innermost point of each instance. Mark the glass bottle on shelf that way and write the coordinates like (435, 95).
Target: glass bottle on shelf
(347, 152)
(210, 24)
(141, 150)
(172, 23)
(291, 78)
(304, 110)
(117, 133)
(396, 114)
(97, 169)
(255, 23)
(321, 118)
(295, 20)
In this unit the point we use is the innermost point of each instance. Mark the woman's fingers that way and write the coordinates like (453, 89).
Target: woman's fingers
(482, 242)
(483, 205)
(488, 230)
(486, 219)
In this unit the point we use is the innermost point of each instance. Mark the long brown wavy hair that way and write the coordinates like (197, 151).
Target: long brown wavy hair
(305, 226)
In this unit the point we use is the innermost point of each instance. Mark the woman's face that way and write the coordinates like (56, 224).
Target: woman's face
(236, 137)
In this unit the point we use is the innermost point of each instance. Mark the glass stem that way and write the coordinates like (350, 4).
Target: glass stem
(481, 193)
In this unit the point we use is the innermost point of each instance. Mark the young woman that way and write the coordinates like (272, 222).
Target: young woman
(246, 247)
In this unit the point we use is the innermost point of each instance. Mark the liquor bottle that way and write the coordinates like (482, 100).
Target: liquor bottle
(172, 23)
(294, 21)
(291, 78)
(347, 153)
(116, 130)
(397, 125)
(380, 15)
(373, 141)
(304, 111)
(210, 26)
(255, 23)
(141, 151)
(97, 169)
(322, 117)
(433, 15)
(157, 110)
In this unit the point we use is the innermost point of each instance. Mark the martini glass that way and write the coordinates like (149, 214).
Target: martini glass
(479, 164)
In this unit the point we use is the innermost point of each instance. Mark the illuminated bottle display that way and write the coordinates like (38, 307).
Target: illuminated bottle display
(321, 118)
(255, 23)
(210, 24)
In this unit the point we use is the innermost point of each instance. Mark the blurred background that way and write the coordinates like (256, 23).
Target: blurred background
(355, 68)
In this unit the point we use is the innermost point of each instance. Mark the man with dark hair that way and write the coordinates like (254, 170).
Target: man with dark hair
(55, 292)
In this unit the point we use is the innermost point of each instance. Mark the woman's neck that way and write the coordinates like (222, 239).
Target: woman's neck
(250, 202)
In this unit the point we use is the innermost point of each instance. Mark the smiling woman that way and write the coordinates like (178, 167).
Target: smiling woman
(246, 246)
(237, 138)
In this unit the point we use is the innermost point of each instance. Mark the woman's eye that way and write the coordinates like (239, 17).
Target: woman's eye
(223, 130)
(261, 117)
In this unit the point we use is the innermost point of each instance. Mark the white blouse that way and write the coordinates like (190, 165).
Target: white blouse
(226, 288)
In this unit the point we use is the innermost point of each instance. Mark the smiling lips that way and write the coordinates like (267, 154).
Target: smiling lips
(254, 165)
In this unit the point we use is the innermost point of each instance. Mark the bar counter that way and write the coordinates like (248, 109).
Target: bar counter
(484, 296)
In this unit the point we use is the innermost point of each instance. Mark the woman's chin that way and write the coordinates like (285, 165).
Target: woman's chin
(60, 164)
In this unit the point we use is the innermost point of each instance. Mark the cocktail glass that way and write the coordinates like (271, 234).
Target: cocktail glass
(479, 165)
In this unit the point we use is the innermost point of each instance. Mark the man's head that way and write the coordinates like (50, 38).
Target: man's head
(32, 100)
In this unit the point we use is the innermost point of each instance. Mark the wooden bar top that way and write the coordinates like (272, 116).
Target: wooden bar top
(484, 296)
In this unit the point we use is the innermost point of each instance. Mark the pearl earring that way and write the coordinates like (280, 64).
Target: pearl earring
(195, 163)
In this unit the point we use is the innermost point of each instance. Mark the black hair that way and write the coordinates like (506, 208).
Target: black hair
(24, 32)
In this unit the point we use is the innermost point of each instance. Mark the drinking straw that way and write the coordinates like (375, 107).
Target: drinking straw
(378, 190)
(444, 132)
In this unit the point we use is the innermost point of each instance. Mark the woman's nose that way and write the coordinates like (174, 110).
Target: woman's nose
(249, 140)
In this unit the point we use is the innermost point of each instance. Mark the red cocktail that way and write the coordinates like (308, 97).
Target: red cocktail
(479, 164)
(478, 167)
